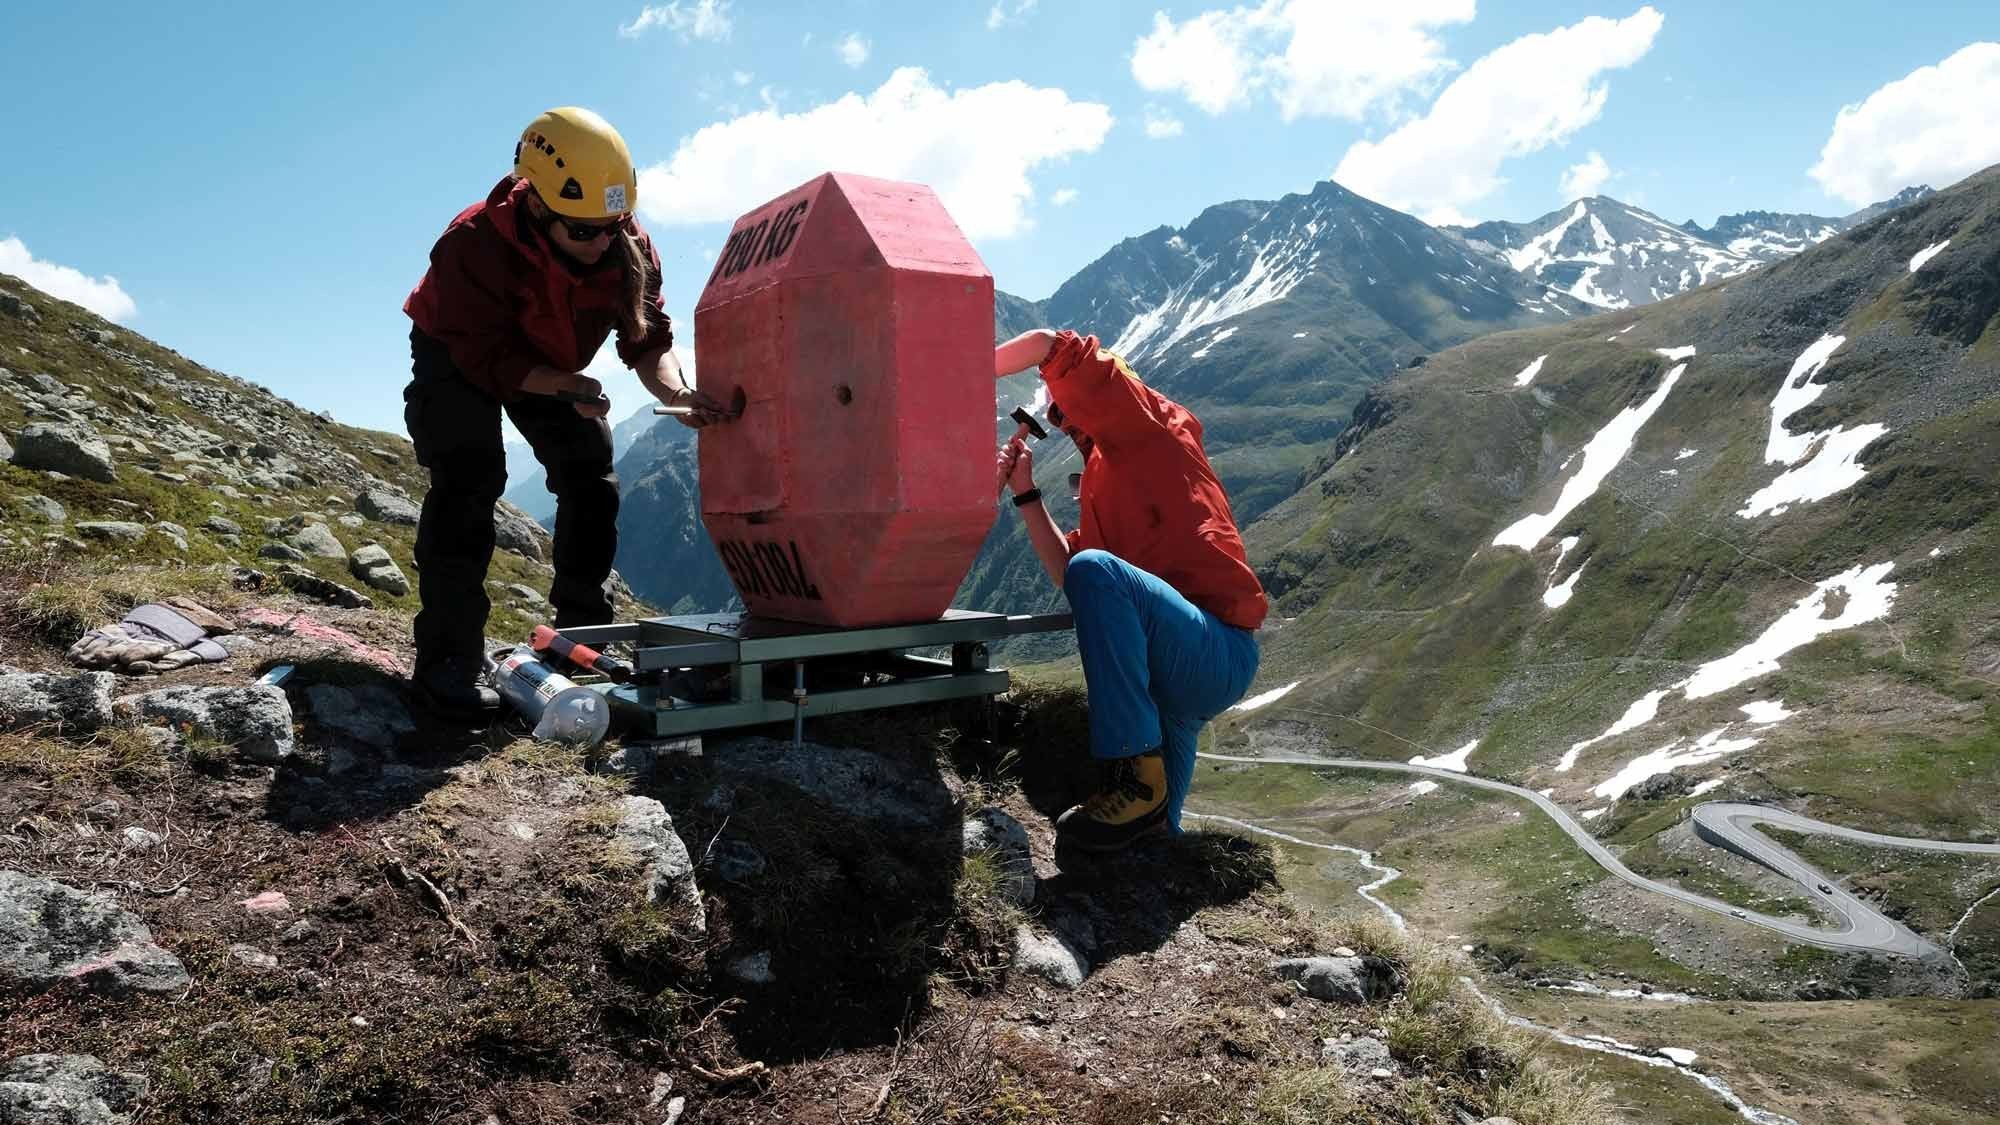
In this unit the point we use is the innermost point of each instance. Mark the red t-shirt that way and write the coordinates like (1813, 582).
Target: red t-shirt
(1149, 495)
(499, 299)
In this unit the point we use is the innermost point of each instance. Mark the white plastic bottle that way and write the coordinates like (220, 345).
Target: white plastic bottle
(562, 710)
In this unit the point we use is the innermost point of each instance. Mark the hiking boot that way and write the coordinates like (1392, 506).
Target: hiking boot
(455, 688)
(1130, 803)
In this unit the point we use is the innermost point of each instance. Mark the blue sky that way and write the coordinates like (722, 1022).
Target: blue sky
(258, 186)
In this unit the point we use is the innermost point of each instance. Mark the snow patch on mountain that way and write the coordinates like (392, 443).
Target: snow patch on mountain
(1835, 453)
(1671, 757)
(1600, 457)
(1918, 259)
(1529, 372)
(1454, 761)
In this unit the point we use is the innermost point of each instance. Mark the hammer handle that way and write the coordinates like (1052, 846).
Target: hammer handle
(1000, 486)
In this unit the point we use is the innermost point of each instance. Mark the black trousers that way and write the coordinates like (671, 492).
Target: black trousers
(456, 430)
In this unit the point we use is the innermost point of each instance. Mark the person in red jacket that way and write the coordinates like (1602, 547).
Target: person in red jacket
(523, 288)
(1165, 602)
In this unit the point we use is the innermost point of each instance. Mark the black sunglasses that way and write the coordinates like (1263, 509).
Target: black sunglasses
(585, 232)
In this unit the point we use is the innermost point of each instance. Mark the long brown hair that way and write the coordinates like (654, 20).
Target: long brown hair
(635, 313)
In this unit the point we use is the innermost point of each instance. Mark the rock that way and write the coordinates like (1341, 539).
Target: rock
(1661, 787)
(373, 566)
(74, 450)
(1342, 980)
(174, 533)
(298, 931)
(753, 969)
(318, 540)
(75, 704)
(256, 720)
(351, 521)
(647, 830)
(1051, 958)
(1499, 1121)
(526, 594)
(142, 840)
(992, 830)
(41, 506)
(387, 507)
(302, 581)
(51, 933)
(47, 384)
(676, 1106)
(864, 785)
(1359, 1056)
(515, 530)
(368, 713)
(14, 306)
(251, 957)
(281, 552)
(67, 1089)
(222, 526)
(119, 531)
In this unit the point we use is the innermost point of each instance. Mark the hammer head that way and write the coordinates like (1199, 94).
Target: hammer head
(1022, 416)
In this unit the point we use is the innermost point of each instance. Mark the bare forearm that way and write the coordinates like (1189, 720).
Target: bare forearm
(1027, 350)
(660, 373)
(1050, 546)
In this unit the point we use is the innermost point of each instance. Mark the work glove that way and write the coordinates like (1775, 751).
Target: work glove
(154, 638)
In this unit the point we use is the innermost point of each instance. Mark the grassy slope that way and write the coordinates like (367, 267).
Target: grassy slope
(60, 345)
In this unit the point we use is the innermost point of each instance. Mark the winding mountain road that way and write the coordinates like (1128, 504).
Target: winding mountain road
(1725, 824)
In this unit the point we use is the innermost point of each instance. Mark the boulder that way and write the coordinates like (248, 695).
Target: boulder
(51, 932)
(71, 449)
(318, 540)
(13, 305)
(304, 582)
(864, 785)
(1050, 957)
(374, 567)
(281, 552)
(367, 713)
(515, 530)
(256, 720)
(41, 506)
(1361, 1056)
(992, 830)
(173, 533)
(115, 531)
(386, 507)
(1342, 980)
(645, 829)
(75, 704)
(67, 1090)
(222, 526)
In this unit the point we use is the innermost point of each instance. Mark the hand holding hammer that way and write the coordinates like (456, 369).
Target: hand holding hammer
(1017, 446)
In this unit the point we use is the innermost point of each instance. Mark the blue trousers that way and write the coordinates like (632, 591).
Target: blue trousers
(1157, 667)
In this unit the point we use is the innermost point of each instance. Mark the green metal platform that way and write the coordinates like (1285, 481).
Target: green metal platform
(708, 672)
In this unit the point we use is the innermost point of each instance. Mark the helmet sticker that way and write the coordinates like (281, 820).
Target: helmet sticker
(614, 197)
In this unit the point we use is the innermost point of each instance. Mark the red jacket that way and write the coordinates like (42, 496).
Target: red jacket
(1149, 495)
(498, 297)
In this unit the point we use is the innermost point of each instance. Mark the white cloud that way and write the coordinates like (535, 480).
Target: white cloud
(975, 147)
(740, 77)
(1526, 95)
(1312, 57)
(1063, 197)
(852, 49)
(1934, 126)
(103, 296)
(1003, 13)
(701, 19)
(1587, 178)
(1160, 126)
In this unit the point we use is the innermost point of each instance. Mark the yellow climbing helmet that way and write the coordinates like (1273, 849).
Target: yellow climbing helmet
(578, 164)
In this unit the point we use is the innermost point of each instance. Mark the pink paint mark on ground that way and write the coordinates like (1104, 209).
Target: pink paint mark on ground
(270, 902)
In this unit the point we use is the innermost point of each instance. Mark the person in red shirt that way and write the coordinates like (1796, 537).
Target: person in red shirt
(523, 288)
(1165, 602)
